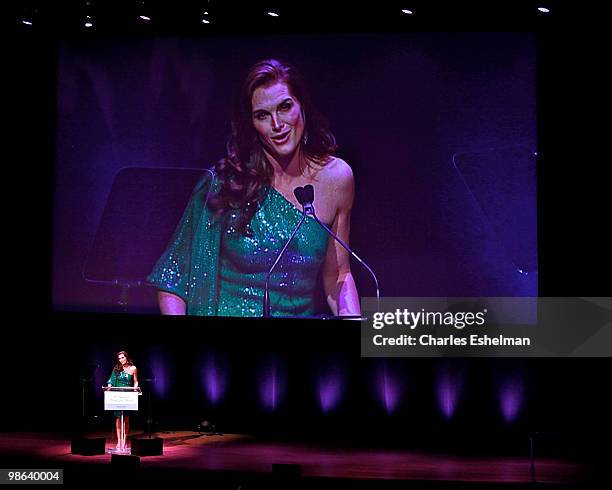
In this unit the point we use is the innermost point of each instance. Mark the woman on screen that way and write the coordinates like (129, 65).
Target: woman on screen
(240, 217)
(124, 374)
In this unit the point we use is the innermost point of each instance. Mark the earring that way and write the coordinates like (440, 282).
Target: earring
(305, 138)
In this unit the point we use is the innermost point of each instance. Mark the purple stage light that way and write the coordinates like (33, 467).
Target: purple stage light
(448, 390)
(388, 387)
(271, 386)
(330, 388)
(214, 380)
(511, 396)
(160, 373)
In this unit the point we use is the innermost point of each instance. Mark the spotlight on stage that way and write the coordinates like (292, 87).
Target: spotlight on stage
(450, 380)
(143, 14)
(214, 378)
(388, 384)
(208, 428)
(272, 381)
(88, 20)
(204, 426)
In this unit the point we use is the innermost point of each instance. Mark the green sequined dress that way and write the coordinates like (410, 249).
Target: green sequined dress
(217, 270)
(120, 379)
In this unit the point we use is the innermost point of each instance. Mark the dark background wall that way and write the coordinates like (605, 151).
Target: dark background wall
(439, 128)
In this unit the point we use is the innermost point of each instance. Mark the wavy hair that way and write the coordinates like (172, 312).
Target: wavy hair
(119, 366)
(245, 171)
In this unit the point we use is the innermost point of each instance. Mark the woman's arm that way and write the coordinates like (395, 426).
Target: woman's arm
(135, 373)
(112, 379)
(338, 281)
(171, 304)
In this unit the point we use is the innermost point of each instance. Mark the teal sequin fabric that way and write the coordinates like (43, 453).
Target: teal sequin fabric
(245, 261)
(120, 379)
(227, 269)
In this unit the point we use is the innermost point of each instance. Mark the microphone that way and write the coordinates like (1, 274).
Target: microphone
(266, 298)
(305, 196)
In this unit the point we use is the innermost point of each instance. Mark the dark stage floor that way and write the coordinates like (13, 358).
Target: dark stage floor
(239, 461)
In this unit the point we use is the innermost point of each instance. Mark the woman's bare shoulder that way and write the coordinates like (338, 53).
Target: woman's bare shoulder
(338, 171)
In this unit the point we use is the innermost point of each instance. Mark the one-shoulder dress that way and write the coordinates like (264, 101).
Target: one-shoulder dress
(218, 270)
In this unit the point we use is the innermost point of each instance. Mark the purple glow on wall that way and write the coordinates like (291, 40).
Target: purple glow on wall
(330, 390)
(271, 386)
(388, 387)
(448, 391)
(161, 374)
(214, 380)
(511, 398)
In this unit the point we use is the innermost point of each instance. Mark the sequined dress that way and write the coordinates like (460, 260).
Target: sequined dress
(227, 269)
(120, 379)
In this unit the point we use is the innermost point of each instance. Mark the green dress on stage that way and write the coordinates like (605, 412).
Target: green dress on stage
(217, 270)
(120, 379)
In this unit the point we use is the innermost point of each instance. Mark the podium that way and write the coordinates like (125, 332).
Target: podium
(121, 398)
(125, 249)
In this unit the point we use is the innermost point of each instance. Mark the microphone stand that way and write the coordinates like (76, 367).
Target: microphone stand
(84, 380)
(305, 196)
(266, 300)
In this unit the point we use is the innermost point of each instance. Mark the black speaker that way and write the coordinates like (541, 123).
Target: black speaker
(88, 446)
(125, 460)
(147, 446)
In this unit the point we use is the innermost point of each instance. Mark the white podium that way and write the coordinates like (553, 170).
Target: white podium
(121, 398)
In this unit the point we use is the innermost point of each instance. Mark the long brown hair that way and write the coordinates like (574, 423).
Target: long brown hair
(119, 366)
(245, 171)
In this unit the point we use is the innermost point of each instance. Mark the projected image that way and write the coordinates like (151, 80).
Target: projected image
(233, 176)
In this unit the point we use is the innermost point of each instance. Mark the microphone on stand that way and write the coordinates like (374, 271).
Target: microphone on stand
(305, 196)
(266, 298)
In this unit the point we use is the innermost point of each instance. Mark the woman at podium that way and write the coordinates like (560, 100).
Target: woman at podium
(124, 374)
(240, 216)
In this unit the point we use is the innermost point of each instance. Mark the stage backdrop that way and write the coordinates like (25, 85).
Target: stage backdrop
(439, 128)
